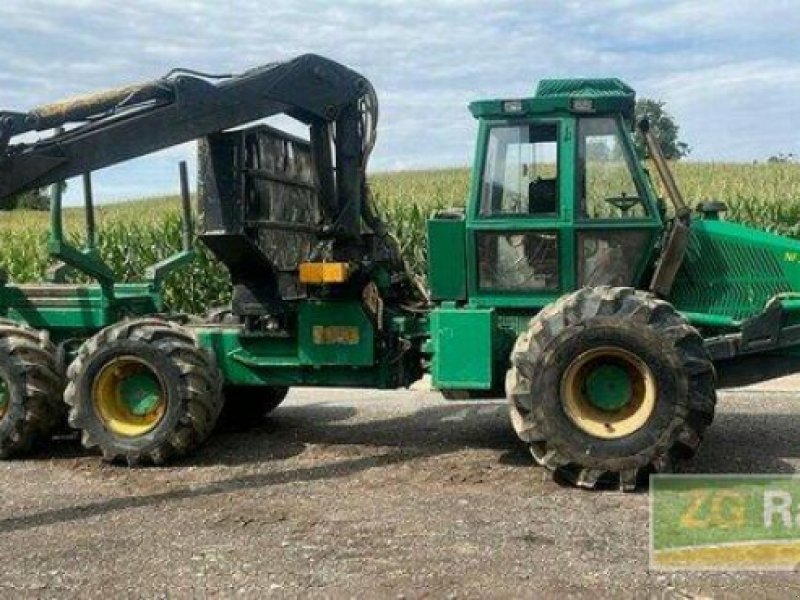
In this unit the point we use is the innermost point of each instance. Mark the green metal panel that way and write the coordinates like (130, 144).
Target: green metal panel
(286, 360)
(265, 360)
(732, 271)
(334, 332)
(585, 88)
(76, 310)
(447, 267)
(463, 348)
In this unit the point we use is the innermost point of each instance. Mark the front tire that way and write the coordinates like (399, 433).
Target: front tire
(608, 384)
(143, 391)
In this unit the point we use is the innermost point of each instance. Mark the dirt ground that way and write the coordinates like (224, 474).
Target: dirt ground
(363, 494)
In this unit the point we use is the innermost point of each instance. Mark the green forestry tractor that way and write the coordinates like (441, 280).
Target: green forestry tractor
(605, 314)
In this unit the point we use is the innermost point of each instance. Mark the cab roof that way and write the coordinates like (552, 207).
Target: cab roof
(582, 96)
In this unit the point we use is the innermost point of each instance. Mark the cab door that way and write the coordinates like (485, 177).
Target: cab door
(615, 218)
(521, 204)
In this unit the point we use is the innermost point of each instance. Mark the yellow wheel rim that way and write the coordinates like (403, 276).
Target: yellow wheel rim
(129, 397)
(608, 392)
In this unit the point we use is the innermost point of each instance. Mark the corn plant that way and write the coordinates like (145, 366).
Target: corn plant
(136, 234)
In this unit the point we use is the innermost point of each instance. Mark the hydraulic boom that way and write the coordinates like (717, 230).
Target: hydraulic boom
(106, 128)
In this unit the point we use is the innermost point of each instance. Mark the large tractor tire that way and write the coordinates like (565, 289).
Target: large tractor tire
(609, 384)
(144, 391)
(248, 404)
(31, 388)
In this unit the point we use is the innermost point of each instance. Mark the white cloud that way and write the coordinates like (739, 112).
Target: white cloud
(728, 70)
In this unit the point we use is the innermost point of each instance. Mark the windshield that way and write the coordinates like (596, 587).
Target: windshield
(606, 186)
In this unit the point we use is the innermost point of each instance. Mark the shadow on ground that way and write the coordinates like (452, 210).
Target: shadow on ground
(290, 430)
(749, 443)
(736, 443)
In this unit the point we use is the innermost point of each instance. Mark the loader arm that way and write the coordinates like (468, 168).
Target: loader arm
(110, 127)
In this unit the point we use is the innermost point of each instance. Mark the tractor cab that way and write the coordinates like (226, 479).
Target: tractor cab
(558, 200)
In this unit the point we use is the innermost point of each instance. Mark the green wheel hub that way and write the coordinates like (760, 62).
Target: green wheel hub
(608, 392)
(140, 392)
(608, 387)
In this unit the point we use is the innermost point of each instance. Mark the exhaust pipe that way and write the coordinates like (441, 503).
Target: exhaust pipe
(654, 148)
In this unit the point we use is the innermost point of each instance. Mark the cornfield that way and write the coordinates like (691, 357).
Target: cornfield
(136, 234)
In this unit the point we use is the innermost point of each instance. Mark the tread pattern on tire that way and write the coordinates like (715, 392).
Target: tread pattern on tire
(682, 437)
(31, 357)
(200, 389)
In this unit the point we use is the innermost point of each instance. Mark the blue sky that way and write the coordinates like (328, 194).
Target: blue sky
(728, 70)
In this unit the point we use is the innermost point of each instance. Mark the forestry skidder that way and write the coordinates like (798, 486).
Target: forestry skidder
(566, 284)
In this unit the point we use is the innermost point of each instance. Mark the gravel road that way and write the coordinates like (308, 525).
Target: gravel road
(349, 493)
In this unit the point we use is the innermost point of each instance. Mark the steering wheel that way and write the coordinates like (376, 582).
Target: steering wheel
(624, 202)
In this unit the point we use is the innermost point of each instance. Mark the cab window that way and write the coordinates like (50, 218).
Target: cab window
(606, 186)
(517, 261)
(521, 172)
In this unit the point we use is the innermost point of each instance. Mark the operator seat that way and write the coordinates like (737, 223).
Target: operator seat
(542, 196)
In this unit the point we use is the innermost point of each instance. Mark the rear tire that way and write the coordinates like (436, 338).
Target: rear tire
(581, 347)
(144, 391)
(31, 388)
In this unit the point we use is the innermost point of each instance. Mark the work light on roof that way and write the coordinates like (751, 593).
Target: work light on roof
(585, 105)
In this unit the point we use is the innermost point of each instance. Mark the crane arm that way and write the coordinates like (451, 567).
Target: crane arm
(106, 128)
